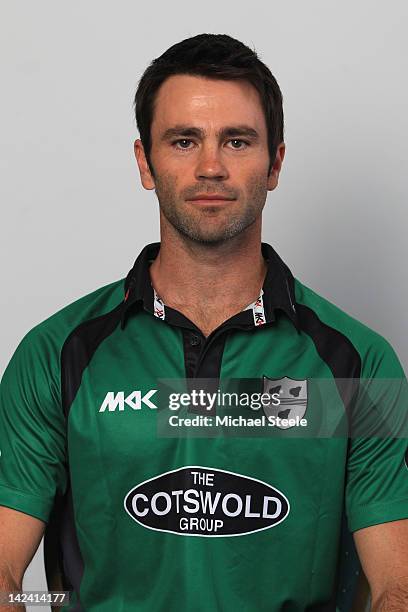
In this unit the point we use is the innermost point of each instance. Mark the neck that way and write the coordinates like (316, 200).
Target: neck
(210, 282)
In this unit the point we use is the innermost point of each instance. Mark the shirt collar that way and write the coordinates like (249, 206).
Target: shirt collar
(278, 287)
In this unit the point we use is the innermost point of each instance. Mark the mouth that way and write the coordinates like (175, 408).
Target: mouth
(213, 200)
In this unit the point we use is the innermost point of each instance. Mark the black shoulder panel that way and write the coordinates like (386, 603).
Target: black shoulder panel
(78, 350)
(62, 555)
(344, 361)
(335, 349)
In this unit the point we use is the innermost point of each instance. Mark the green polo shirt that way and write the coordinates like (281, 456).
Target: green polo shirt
(146, 510)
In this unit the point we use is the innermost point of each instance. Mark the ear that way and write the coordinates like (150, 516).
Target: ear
(276, 168)
(145, 174)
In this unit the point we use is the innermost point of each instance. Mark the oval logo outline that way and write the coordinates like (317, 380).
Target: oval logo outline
(132, 491)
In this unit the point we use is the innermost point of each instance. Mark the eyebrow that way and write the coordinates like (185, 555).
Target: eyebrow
(230, 130)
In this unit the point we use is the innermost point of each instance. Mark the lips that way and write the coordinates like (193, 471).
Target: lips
(210, 198)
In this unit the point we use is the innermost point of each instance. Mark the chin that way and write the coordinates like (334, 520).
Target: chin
(212, 238)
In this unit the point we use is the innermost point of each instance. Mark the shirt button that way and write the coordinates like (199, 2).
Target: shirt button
(194, 340)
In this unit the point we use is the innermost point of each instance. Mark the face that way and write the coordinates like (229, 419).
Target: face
(209, 139)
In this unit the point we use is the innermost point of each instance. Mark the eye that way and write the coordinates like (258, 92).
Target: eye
(239, 141)
(181, 140)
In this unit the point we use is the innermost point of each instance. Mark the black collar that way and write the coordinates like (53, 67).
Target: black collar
(278, 287)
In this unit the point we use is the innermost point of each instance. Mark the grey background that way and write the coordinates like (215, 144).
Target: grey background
(73, 213)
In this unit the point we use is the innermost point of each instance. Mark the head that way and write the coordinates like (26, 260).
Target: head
(210, 119)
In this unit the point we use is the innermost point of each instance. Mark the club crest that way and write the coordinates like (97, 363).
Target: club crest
(292, 395)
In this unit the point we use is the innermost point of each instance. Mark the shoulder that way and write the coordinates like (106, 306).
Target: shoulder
(374, 350)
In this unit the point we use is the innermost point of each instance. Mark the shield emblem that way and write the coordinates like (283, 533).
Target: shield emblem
(293, 398)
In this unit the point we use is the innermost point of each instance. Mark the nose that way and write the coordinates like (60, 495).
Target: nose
(210, 163)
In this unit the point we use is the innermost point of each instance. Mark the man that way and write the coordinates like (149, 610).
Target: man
(153, 521)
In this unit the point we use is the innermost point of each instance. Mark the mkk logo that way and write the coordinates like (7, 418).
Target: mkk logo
(117, 401)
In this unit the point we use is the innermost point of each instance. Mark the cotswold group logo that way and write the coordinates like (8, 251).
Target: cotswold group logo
(292, 405)
(204, 501)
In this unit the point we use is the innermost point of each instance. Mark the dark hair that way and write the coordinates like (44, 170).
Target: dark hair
(217, 56)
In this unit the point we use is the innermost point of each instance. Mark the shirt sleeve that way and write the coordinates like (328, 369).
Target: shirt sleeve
(33, 464)
(377, 471)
